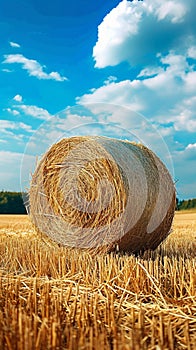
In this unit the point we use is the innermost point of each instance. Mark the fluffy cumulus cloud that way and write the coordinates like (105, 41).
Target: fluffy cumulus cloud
(119, 93)
(136, 31)
(164, 94)
(34, 111)
(33, 67)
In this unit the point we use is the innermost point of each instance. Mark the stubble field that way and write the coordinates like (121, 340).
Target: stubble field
(55, 298)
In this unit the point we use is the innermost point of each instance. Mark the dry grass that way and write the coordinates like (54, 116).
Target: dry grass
(14, 222)
(55, 298)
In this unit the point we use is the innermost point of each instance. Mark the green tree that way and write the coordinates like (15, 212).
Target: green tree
(11, 203)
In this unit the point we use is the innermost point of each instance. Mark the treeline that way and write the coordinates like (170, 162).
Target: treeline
(11, 203)
(185, 204)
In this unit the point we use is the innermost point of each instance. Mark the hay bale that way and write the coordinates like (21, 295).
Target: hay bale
(102, 194)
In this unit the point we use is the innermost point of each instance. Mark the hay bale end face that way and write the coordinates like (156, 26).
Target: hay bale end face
(102, 194)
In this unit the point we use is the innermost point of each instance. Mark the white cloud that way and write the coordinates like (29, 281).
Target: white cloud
(191, 146)
(125, 93)
(33, 67)
(13, 44)
(160, 37)
(12, 111)
(175, 10)
(166, 95)
(18, 98)
(184, 116)
(156, 93)
(190, 80)
(72, 120)
(150, 71)
(17, 132)
(110, 79)
(28, 110)
(136, 31)
(174, 75)
(185, 121)
(6, 126)
(192, 52)
(34, 111)
(25, 127)
(6, 70)
(116, 27)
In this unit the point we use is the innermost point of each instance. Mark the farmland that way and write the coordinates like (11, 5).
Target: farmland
(52, 297)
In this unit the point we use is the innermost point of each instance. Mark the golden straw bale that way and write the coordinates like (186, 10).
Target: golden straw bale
(102, 194)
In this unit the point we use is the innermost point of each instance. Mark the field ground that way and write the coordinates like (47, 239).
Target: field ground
(12, 222)
(52, 297)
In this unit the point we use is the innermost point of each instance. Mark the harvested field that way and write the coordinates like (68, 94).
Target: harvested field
(52, 297)
(14, 222)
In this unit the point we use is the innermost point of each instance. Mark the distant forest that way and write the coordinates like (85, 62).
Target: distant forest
(12, 203)
(185, 204)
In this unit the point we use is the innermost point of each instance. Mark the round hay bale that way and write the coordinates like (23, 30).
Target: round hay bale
(102, 194)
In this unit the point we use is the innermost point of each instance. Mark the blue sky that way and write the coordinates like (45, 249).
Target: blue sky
(126, 69)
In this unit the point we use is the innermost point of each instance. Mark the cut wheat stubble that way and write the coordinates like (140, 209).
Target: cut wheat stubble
(102, 194)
